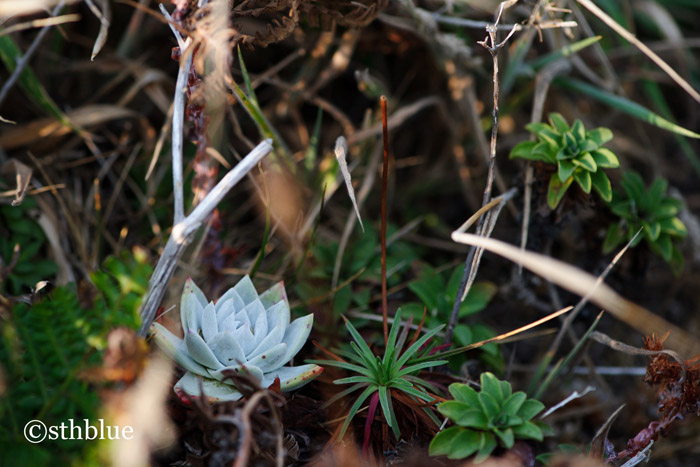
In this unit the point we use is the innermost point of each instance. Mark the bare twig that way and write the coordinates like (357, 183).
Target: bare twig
(471, 264)
(470, 23)
(184, 230)
(179, 120)
(22, 62)
(385, 169)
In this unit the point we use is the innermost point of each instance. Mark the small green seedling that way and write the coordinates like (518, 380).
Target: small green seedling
(483, 420)
(578, 154)
(437, 293)
(650, 210)
(382, 376)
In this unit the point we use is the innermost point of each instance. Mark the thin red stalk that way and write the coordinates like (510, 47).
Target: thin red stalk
(385, 169)
(371, 411)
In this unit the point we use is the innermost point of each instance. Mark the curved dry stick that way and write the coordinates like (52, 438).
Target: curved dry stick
(184, 231)
(590, 6)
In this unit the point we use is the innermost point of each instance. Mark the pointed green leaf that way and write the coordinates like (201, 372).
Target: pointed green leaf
(605, 158)
(583, 178)
(566, 168)
(530, 408)
(513, 403)
(600, 135)
(558, 122)
(665, 247)
(556, 190)
(528, 430)
(654, 195)
(464, 444)
(613, 237)
(673, 226)
(464, 393)
(473, 418)
(486, 447)
(524, 150)
(601, 184)
(491, 386)
(506, 436)
(442, 443)
(586, 161)
(579, 131)
(489, 405)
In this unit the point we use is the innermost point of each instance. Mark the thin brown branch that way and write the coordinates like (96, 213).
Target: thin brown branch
(385, 169)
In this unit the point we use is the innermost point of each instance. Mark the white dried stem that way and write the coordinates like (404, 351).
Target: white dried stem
(184, 231)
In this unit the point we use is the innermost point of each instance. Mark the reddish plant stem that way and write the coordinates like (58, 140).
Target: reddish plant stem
(385, 170)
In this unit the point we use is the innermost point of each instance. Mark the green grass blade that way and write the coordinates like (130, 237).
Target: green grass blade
(653, 92)
(565, 51)
(354, 379)
(355, 407)
(390, 349)
(362, 347)
(625, 105)
(417, 345)
(345, 366)
(312, 151)
(28, 81)
(388, 409)
(342, 394)
(266, 237)
(246, 80)
(264, 126)
(557, 368)
(419, 366)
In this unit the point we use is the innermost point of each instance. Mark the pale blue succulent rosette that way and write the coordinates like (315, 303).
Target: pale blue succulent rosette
(242, 332)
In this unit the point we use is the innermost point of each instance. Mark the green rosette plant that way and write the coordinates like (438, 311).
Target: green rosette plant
(578, 154)
(242, 332)
(379, 377)
(486, 419)
(650, 210)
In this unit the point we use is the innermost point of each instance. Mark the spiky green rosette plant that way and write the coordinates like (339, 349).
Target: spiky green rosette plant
(494, 416)
(578, 154)
(242, 333)
(650, 210)
(379, 377)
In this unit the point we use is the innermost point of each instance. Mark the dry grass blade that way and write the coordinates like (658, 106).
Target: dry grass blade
(41, 23)
(25, 7)
(590, 6)
(571, 397)
(83, 117)
(598, 444)
(341, 150)
(584, 284)
(505, 337)
(22, 174)
(105, 17)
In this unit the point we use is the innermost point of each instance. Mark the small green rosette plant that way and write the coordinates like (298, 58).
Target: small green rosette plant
(379, 376)
(486, 419)
(650, 210)
(578, 154)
